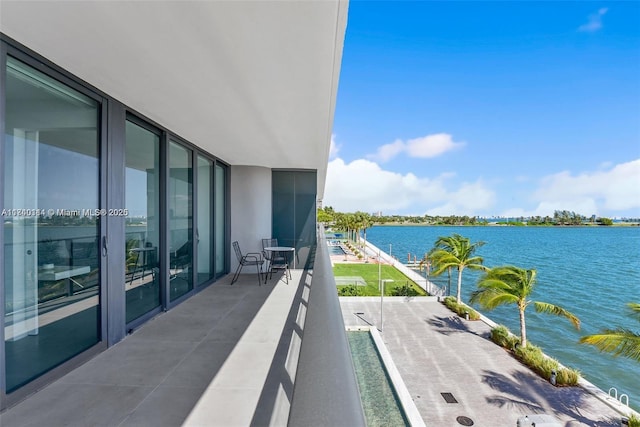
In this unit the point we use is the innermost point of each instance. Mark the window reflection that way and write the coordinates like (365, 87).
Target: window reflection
(204, 231)
(142, 233)
(180, 221)
(51, 237)
(219, 221)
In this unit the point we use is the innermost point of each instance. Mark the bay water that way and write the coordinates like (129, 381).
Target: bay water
(591, 271)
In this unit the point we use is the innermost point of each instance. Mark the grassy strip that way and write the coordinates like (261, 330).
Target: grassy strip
(534, 358)
(401, 285)
(461, 309)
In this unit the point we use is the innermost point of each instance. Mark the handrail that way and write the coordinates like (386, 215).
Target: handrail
(325, 391)
(626, 397)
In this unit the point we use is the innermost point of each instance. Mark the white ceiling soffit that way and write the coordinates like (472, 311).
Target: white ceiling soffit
(252, 82)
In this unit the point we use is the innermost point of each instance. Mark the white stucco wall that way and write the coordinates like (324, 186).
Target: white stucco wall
(250, 209)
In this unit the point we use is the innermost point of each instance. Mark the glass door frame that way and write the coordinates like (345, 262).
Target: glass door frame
(132, 117)
(227, 218)
(196, 174)
(8, 48)
(167, 224)
(164, 208)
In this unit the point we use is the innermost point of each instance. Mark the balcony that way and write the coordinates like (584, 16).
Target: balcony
(231, 355)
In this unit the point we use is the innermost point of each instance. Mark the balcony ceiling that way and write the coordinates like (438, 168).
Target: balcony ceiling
(252, 82)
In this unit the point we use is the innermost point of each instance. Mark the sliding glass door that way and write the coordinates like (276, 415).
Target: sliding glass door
(142, 228)
(51, 171)
(219, 223)
(180, 201)
(204, 231)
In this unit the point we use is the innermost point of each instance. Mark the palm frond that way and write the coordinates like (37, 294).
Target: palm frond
(619, 342)
(635, 309)
(488, 283)
(475, 262)
(492, 298)
(543, 307)
(442, 267)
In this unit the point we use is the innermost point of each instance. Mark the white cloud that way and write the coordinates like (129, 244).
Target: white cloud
(364, 185)
(603, 192)
(431, 145)
(473, 196)
(333, 148)
(469, 199)
(595, 21)
(389, 151)
(424, 147)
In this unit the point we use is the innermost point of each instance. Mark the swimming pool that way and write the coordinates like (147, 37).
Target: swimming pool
(336, 250)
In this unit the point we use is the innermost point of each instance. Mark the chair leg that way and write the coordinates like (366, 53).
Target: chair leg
(237, 273)
(266, 270)
(259, 269)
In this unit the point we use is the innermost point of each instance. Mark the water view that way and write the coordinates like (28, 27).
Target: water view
(591, 271)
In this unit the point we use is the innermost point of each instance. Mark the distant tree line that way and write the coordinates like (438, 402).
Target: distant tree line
(560, 218)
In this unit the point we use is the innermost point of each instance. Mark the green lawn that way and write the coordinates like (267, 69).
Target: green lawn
(369, 272)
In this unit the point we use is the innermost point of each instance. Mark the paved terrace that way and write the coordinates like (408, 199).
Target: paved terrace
(225, 357)
(436, 352)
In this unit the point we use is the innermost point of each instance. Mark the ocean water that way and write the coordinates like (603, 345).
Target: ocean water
(591, 271)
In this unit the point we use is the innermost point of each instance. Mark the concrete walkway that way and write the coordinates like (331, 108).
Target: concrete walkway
(437, 352)
(225, 357)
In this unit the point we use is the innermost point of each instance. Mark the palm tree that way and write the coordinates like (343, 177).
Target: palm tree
(514, 285)
(455, 251)
(619, 341)
(365, 222)
(346, 223)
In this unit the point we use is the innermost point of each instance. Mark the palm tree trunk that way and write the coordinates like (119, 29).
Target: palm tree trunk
(523, 328)
(459, 285)
(364, 248)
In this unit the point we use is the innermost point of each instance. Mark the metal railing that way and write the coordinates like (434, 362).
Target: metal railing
(326, 391)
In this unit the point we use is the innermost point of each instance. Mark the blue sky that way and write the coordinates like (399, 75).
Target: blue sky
(488, 108)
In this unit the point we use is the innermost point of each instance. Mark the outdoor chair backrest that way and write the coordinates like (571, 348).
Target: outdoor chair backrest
(236, 248)
(268, 243)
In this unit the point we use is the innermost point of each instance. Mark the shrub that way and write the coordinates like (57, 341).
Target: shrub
(504, 338)
(405, 290)
(634, 421)
(569, 376)
(348, 291)
(461, 309)
(533, 357)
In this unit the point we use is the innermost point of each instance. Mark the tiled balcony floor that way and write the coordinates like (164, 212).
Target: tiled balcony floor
(225, 357)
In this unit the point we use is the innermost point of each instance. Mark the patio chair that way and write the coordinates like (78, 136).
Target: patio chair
(250, 258)
(271, 257)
